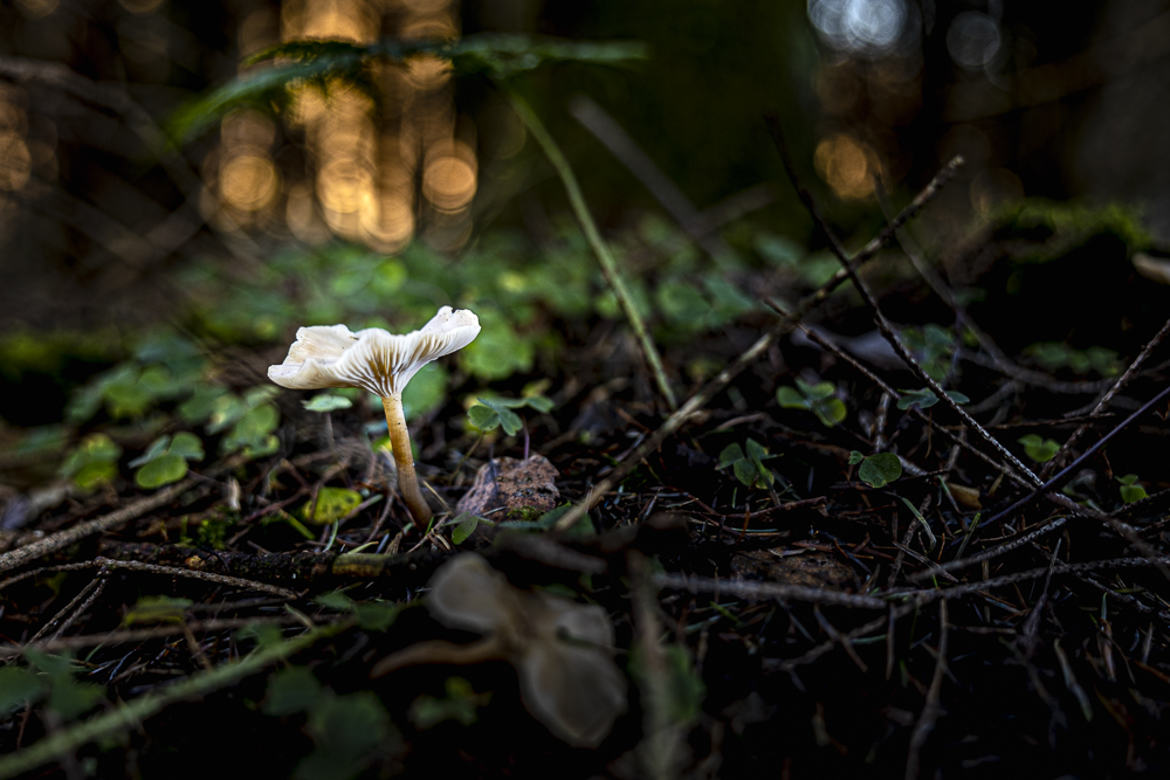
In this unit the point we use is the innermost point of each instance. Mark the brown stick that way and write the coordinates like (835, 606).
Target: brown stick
(30, 552)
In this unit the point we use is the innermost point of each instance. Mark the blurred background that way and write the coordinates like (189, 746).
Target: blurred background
(108, 222)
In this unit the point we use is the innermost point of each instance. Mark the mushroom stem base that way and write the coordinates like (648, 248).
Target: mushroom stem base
(404, 459)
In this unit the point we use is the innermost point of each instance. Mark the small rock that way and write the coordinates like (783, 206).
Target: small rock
(522, 489)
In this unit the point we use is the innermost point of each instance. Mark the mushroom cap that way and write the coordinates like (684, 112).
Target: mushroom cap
(372, 359)
(567, 678)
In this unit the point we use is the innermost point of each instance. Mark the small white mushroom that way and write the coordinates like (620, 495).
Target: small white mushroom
(559, 648)
(382, 363)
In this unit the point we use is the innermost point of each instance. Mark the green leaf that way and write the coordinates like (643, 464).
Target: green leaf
(70, 698)
(292, 690)
(746, 472)
(187, 445)
(157, 448)
(252, 429)
(465, 525)
(333, 504)
(157, 609)
(925, 398)
(880, 470)
(336, 599)
(327, 402)
(789, 398)
(855, 457)
(483, 417)
(375, 615)
(540, 403)
(161, 471)
(93, 462)
(18, 686)
(729, 455)
(1130, 490)
(829, 411)
(460, 704)
(501, 415)
(755, 450)
(201, 404)
(1039, 449)
(349, 725)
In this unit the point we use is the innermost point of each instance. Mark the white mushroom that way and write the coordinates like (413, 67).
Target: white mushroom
(559, 648)
(382, 363)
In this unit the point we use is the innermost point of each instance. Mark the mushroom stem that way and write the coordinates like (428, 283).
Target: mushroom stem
(404, 458)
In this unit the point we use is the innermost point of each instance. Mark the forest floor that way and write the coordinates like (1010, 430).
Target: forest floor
(809, 571)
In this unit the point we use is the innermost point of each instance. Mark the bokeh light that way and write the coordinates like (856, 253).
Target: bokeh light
(973, 40)
(248, 181)
(846, 165)
(859, 26)
(15, 161)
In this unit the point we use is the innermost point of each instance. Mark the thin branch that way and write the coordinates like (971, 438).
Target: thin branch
(1121, 382)
(932, 708)
(130, 714)
(708, 391)
(30, 552)
(608, 264)
(883, 324)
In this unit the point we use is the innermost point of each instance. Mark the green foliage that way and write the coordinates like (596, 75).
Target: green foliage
(747, 463)
(465, 525)
(426, 391)
(370, 615)
(460, 703)
(157, 609)
(327, 402)
(346, 729)
(93, 462)
(933, 346)
(818, 399)
(165, 461)
(499, 351)
(1131, 491)
(324, 63)
(1039, 449)
(292, 690)
(487, 414)
(19, 687)
(813, 269)
(249, 420)
(68, 697)
(1056, 355)
(690, 309)
(1070, 225)
(924, 398)
(877, 470)
(332, 504)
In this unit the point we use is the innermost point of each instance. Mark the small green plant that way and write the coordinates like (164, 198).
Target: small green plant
(327, 402)
(165, 460)
(93, 462)
(924, 398)
(933, 346)
(818, 399)
(1038, 448)
(877, 470)
(1056, 355)
(348, 730)
(459, 704)
(487, 414)
(747, 463)
(330, 505)
(1131, 491)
